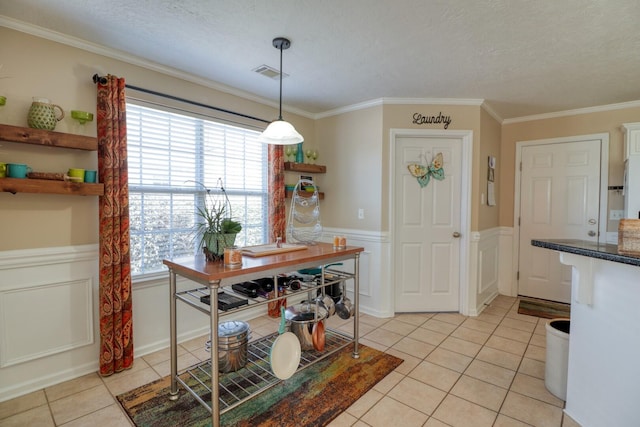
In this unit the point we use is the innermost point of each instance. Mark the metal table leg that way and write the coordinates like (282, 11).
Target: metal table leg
(215, 381)
(173, 335)
(356, 303)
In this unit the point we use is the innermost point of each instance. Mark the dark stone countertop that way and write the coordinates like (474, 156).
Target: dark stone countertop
(603, 251)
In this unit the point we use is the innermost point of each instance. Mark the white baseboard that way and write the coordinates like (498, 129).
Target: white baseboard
(34, 383)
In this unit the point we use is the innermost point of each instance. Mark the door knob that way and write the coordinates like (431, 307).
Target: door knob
(591, 233)
(456, 234)
(592, 221)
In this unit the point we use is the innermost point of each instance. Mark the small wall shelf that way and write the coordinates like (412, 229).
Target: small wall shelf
(304, 167)
(48, 139)
(27, 185)
(289, 194)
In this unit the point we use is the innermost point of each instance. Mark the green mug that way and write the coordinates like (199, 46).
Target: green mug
(3, 170)
(76, 175)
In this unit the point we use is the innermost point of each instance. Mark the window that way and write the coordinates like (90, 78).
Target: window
(172, 157)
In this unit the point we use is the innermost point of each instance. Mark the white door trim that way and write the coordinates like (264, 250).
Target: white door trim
(465, 202)
(604, 191)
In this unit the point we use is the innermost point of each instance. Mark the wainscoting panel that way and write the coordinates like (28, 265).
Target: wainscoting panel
(507, 284)
(484, 269)
(49, 305)
(487, 288)
(48, 317)
(488, 273)
(375, 289)
(42, 320)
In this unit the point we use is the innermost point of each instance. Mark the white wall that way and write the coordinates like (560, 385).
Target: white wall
(49, 304)
(49, 319)
(48, 310)
(375, 290)
(483, 270)
(489, 270)
(602, 383)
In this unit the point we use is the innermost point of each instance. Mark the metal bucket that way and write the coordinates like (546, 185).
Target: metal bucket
(301, 319)
(233, 338)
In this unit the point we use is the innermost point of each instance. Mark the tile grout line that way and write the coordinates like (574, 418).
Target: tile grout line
(415, 327)
(447, 393)
(46, 397)
(516, 371)
(450, 334)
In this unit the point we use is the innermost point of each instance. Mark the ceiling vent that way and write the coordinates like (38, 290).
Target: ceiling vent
(270, 72)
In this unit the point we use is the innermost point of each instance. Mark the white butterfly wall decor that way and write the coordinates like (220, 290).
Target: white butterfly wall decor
(424, 173)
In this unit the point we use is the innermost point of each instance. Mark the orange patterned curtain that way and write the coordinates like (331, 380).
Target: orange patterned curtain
(277, 215)
(116, 332)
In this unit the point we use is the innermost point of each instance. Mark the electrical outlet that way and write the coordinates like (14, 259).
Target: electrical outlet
(360, 213)
(616, 214)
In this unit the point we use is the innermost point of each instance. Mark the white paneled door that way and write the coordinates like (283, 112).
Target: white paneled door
(559, 199)
(427, 225)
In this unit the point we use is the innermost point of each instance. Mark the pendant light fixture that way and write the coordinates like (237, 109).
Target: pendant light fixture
(280, 132)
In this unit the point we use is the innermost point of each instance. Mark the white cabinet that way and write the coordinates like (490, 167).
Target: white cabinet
(631, 170)
(631, 139)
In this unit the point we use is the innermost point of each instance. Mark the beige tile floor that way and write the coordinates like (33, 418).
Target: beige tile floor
(457, 371)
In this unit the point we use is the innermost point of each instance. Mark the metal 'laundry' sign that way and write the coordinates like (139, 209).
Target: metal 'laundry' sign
(419, 119)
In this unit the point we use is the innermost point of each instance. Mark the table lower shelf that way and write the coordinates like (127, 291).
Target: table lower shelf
(256, 377)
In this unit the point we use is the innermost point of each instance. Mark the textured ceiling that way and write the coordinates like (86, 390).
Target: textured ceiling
(521, 57)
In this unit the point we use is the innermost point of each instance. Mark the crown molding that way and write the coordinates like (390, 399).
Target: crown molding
(399, 101)
(349, 108)
(134, 60)
(486, 107)
(577, 111)
(433, 101)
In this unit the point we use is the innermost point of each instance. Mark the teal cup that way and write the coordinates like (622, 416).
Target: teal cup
(17, 170)
(90, 176)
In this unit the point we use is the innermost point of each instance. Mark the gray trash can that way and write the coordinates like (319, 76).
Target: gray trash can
(556, 365)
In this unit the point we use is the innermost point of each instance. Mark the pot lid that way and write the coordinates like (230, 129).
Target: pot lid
(232, 328)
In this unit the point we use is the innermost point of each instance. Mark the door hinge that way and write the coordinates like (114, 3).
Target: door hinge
(518, 221)
(520, 166)
(518, 275)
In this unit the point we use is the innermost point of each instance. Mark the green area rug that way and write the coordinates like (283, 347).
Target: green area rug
(311, 397)
(543, 308)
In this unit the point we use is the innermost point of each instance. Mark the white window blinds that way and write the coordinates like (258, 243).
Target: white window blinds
(171, 158)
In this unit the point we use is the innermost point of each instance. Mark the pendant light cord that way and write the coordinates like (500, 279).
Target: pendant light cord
(280, 132)
(280, 114)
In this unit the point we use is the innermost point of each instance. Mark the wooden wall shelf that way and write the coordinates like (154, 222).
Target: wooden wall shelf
(47, 138)
(289, 194)
(304, 167)
(27, 185)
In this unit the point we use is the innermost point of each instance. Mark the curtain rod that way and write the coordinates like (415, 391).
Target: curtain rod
(103, 80)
